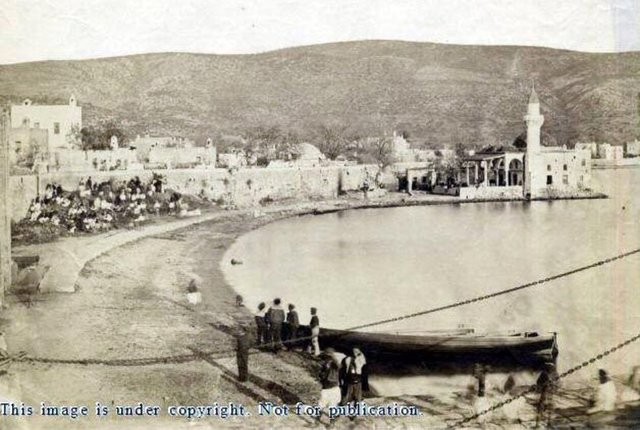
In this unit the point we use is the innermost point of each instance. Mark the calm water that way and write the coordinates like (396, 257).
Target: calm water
(366, 265)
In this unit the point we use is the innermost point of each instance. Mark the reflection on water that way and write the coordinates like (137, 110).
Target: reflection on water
(367, 265)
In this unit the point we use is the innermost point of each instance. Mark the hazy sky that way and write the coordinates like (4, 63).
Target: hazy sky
(71, 29)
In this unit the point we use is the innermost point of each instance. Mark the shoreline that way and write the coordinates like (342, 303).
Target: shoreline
(61, 279)
(199, 248)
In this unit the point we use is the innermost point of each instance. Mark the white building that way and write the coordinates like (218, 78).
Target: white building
(551, 169)
(58, 120)
(632, 149)
(592, 147)
(610, 152)
(177, 158)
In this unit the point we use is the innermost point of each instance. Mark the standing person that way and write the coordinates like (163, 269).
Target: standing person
(480, 406)
(242, 354)
(330, 395)
(353, 376)
(193, 293)
(261, 325)
(276, 318)
(314, 325)
(547, 385)
(480, 373)
(293, 322)
(605, 397)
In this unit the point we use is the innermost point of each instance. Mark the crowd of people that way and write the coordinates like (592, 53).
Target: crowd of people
(94, 206)
(344, 377)
(275, 328)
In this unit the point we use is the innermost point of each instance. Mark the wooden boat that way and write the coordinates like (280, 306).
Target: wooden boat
(526, 349)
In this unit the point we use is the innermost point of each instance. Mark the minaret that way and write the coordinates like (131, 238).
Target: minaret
(534, 122)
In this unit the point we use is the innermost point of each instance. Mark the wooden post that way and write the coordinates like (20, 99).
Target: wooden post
(5, 213)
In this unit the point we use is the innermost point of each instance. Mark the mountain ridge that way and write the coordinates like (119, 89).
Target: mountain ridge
(440, 94)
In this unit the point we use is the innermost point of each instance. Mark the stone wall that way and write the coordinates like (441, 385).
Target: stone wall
(512, 192)
(22, 189)
(102, 160)
(241, 187)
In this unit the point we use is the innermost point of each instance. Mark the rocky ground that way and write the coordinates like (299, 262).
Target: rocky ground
(131, 303)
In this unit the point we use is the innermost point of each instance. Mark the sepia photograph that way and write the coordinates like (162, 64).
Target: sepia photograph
(348, 214)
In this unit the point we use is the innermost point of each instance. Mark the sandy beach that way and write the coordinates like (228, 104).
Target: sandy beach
(131, 303)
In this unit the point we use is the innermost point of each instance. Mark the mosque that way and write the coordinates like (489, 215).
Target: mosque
(537, 172)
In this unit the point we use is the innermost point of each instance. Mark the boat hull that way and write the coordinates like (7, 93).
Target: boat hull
(521, 350)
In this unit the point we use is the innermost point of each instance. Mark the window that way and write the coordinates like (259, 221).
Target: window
(548, 167)
(564, 167)
(56, 128)
(36, 125)
(565, 179)
(25, 122)
(549, 180)
(584, 162)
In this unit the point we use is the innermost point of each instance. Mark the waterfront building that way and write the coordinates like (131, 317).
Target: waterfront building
(537, 171)
(550, 170)
(58, 120)
(500, 166)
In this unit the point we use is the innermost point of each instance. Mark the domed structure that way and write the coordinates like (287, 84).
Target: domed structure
(308, 152)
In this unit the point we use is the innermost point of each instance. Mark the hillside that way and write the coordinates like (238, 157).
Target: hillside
(438, 93)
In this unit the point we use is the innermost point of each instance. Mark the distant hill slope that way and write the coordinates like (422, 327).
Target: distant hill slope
(439, 93)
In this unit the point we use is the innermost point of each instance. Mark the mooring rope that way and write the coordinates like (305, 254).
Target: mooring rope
(501, 292)
(122, 362)
(476, 299)
(231, 352)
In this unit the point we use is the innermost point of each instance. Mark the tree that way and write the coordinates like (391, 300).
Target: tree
(91, 139)
(381, 149)
(111, 128)
(270, 142)
(74, 137)
(520, 142)
(96, 138)
(331, 139)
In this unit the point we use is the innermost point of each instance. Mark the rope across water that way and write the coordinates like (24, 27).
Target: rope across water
(223, 354)
(533, 388)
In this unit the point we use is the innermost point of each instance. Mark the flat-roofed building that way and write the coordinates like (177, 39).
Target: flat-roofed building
(58, 120)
